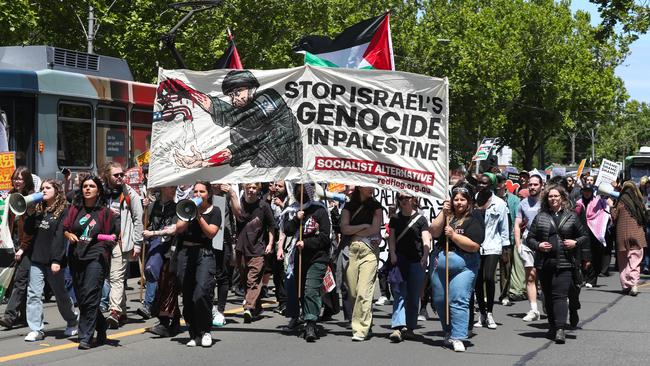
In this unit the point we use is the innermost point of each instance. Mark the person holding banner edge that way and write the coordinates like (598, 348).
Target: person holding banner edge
(464, 227)
(314, 247)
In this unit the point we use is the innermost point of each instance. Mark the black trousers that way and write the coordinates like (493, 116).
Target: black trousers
(597, 251)
(224, 275)
(16, 307)
(382, 277)
(556, 285)
(88, 281)
(505, 271)
(486, 283)
(196, 278)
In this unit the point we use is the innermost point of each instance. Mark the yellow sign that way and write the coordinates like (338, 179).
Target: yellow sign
(7, 167)
(580, 168)
(143, 158)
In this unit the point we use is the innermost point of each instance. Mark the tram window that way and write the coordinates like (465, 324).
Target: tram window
(111, 136)
(74, 135)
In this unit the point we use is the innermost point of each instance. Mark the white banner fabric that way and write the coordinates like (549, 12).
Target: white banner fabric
(376, 128)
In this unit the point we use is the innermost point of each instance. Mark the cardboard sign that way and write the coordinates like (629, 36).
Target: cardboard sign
(580, 168)
(608, 172)
(7, 167)
(484, 149)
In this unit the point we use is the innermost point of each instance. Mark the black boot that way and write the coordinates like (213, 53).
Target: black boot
(310, 332)
(560, 337)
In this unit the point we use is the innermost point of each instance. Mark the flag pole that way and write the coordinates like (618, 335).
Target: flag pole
(447, 275)
(302, 191)
(142, 254)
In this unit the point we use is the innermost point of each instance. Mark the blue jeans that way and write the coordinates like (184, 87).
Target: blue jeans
(150, 293)
(37, 274)
(106, 291)
(463, 268)
(406, 298)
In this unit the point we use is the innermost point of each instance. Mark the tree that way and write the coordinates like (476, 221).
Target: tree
(625, 133)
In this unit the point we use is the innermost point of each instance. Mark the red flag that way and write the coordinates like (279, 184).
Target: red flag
(230, 58)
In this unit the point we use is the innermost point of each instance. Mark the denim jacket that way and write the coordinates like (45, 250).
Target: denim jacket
(497, 232)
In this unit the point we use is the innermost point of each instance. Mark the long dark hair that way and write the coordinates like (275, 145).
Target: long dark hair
(28, 181)
(566, 203)
(101, 199)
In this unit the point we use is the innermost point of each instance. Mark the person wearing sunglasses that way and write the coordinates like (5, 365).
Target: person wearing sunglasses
(409, 245)
(464, 227)
(126, 204)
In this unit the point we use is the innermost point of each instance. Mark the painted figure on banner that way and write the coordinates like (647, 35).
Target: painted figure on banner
(263, 130)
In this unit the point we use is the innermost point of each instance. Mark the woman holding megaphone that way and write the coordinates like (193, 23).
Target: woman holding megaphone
(91, 229)
(45, 226)
(196, 264)
(22, 183)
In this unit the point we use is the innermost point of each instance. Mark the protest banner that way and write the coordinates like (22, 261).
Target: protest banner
(7, 167)
(376, 128)
(608, 172)
(512, 182)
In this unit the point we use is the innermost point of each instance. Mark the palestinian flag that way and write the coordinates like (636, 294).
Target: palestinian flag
(365, 45)
(230, 58)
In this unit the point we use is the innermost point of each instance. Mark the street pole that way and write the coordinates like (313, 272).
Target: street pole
(573, 148)
(91, 29)
(593, 145)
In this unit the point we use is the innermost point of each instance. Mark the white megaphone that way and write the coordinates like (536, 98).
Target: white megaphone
(320, 194)
(19, 203)
(186, 209)
(606, 189)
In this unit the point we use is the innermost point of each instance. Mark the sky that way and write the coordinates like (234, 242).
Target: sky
(634, 71)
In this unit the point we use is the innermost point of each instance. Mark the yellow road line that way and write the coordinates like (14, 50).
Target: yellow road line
(127, 333)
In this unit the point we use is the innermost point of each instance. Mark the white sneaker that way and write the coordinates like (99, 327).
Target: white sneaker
(206, 340)
(381, 301)
(34, 336)
(588, 285)
(192, 343)
(458, 345)
(481, 321)
(505, 301)
(70, 331)
(218, 320)
(423, 315)
(491, 324)
(531, 316)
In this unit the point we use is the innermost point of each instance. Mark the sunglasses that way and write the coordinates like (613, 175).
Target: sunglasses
(118, 175)
(404, 198)
(459, 190)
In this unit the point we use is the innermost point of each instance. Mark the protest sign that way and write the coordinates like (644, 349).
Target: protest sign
(376, 128)
(483, 151)
(608, 172)
(7, 167)
(580, 168)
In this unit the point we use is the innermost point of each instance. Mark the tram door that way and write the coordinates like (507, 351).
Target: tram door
(18, 128)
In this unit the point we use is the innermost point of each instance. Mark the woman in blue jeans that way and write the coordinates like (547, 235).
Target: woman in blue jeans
(47, 254)
(465, 229)
(409, 245)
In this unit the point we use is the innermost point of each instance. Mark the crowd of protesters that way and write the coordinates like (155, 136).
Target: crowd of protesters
(547, 239)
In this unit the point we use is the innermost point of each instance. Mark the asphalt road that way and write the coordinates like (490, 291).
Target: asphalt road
(614, 329)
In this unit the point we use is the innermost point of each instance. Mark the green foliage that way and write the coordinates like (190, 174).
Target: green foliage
(626, 133)
(529, 72)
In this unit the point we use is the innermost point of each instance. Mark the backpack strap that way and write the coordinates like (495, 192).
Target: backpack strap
(414, 218)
